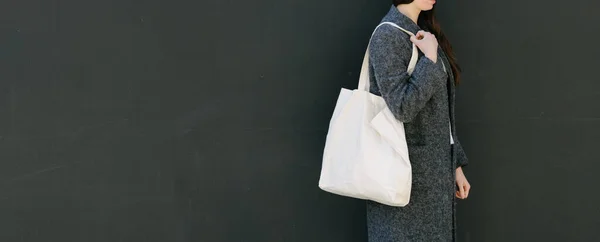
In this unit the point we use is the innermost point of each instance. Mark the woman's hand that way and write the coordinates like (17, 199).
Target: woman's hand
(427, 43)
(463, 185)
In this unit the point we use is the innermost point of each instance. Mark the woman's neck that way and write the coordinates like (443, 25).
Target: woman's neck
(410, 11)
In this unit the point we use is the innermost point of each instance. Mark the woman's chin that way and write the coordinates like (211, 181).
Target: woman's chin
(427, 8)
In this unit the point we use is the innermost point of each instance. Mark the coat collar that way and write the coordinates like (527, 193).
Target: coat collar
(395, 16)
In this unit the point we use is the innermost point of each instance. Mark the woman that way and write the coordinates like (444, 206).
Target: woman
(424, 101)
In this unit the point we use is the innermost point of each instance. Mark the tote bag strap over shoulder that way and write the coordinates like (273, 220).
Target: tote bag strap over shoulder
(363, 83)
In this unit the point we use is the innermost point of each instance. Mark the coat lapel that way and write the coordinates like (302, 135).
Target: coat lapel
(451, 86)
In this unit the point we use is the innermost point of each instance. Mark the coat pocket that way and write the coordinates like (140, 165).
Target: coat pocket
(414, 132)
(420, 158)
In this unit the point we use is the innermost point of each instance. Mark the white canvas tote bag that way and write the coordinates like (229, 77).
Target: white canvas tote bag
(365, 154)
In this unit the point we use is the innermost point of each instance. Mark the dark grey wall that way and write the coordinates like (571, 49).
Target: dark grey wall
(205, 120)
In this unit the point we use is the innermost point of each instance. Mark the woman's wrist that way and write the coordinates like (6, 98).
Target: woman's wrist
(433, 58)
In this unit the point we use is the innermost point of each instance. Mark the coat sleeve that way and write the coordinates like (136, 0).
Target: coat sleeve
(405, 95)
(461, 157)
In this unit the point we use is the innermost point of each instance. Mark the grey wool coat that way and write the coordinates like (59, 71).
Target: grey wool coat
(424, 101)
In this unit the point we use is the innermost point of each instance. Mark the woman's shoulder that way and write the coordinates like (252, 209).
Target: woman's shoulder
(387, 36)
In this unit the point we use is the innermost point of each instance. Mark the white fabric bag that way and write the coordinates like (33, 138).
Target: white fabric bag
(366, 155)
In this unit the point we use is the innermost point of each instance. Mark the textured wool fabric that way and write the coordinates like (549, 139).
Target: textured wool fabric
(424, 101)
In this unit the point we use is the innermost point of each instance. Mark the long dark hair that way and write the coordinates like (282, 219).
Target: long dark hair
(427, 21)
